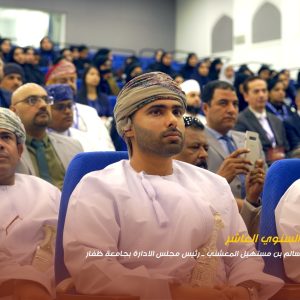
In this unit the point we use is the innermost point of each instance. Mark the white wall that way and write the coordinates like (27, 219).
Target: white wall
(195, 20)
(132, 24)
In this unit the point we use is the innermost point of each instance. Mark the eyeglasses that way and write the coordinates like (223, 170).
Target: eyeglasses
(192, 121)
(34, 99)
(62, 106)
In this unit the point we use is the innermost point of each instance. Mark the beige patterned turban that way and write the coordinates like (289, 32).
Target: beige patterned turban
(142, 90)
(10, 121)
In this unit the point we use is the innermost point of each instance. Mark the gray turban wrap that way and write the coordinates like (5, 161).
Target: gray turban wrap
(10, 121)
(143, 90)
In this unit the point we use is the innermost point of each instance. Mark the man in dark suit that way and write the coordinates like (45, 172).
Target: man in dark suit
(292, 126)
(255, 118)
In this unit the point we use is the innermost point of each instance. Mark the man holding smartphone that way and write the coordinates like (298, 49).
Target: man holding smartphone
(226, 153)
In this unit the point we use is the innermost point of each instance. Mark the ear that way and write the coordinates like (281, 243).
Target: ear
(245, 95)
(129, 133)
(12, 107)
(20, 148)
(205, 108)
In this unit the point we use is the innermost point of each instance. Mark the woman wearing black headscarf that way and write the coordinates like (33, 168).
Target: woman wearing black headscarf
(238, 85)
(47, 53)
(108, 84)
(215, 69)
(5, 47)
(244, 69)
(31, 69)
(200, 74)
(188, 69)
(133, 70)
(17, 56)
(165, 64)
(157, 56)
(32, 73)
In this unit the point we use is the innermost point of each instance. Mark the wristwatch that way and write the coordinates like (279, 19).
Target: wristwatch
(255, 204)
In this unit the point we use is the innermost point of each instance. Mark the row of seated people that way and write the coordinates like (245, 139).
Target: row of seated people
(203, 71)
(266, 113)
(165, 124)
(115, 70)
(89, 94)
(48, 54)
(65, 72)
(153, 129)
(268, 98)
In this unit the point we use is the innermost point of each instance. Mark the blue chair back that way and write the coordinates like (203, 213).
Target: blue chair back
(81, 164)
(112, 102)
(279, 178)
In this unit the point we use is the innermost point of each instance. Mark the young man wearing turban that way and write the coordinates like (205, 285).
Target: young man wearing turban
(28, 214)
(146, 215)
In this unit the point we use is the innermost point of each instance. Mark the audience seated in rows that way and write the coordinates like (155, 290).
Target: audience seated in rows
(233, 166)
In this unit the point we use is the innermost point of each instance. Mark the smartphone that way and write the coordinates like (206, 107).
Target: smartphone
(252, 143)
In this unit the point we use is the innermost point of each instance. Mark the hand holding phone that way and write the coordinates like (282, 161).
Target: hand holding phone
(252, 143)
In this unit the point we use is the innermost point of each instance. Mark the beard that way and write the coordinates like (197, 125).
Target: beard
(148, 141)
(193, 110)
(202, 164)
(42, 122)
